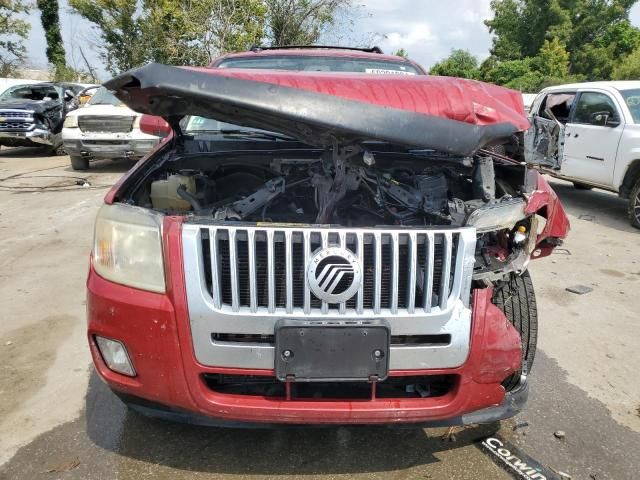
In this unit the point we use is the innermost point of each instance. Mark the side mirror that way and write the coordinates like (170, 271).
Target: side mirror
(152, 125)
(604, 119)
(68, 95)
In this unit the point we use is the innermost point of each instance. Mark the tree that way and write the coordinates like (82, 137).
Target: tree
(401, 52)
(301, 22)
(231, 25)
(553, 59)
(460, 63)
(51, 25)
(629, 68)
(178, 32)
(117, 23)
(593, 32)
(13, 31)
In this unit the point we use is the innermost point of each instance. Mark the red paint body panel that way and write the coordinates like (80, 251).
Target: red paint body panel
(155, 329)
(545, 202)
(457, 99)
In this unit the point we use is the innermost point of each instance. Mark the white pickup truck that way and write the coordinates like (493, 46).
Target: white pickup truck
(589, 134)
(104, 128)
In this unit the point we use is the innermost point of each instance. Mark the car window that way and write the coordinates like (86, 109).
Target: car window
(594, 107)
(104, 97)
(32, 92)
(321, 64)
(557, 105)
(632, 99)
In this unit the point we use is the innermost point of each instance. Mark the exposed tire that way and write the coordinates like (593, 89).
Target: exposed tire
(79, 163)
(517, 300)
(582, 186)
(634, 205)
(57, 148)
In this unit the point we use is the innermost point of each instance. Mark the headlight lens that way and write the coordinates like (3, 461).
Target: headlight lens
(70, 122)
(128, 247)
(497, 216)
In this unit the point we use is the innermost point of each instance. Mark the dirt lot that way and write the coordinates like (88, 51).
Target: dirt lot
(58, 421)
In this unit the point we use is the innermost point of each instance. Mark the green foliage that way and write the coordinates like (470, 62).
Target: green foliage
(553, 59)
(581, 38)
(629, 67)
(402, 53)
(460, 63)
(118, 25)
(13, 32)
(51, 26)
(301, 22)
(189, 32)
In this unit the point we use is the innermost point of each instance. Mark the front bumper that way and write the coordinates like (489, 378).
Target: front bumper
(32, 138)
(121, 145)
(156, 331)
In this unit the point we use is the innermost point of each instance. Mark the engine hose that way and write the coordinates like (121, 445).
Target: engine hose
(193, 201)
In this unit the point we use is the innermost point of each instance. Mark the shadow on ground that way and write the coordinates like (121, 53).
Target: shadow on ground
(111, 442)
(119, 165)
(272, 451)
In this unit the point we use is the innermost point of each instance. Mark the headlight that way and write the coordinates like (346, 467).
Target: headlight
(70, 122)
(497, 216)
(128, 247)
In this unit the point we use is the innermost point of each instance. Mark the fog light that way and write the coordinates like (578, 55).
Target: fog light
(115, 356)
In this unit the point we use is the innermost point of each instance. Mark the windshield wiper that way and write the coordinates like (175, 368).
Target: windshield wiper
(246, 134)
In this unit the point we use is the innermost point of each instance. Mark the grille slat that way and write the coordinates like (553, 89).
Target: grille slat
(106, 124)
(264, 270)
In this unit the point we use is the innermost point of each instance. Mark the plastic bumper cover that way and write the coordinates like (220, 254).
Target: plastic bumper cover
(109, 148)
(35, 137)
(155, 330)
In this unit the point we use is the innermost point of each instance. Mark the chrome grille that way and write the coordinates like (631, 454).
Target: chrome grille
(105, 124)
(16, 126)
(21, 114)
(16, 120)
(263, 270)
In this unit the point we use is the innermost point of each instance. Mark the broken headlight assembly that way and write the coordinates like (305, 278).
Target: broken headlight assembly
(497, 215)
(128, 247)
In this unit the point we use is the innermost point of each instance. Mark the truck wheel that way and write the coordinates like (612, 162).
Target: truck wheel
(582, 186)
(57, 148)
(634, 205)
(79, 163)
(517, 300)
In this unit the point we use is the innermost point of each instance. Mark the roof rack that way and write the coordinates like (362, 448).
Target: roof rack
(259, 48)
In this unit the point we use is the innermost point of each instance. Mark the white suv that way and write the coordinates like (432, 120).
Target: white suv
(104, 128)
(589, 134)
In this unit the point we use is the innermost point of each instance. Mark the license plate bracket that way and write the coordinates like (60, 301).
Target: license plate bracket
(331, 351)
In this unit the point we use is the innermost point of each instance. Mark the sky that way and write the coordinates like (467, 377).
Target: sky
(427, 29)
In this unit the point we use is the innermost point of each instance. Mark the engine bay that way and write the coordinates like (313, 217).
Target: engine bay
(349, 188)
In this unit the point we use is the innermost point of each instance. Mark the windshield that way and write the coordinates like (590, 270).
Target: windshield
(194, 125)
(632, 99)
(314, 63)
(104, 97)
(31, 92)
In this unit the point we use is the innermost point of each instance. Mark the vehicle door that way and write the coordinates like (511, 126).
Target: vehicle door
(544, 141)
(592, 137)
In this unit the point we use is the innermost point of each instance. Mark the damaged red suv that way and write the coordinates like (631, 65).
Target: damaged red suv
(314, 247)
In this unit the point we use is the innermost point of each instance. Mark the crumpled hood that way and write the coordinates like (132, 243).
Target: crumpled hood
(38, 106)
(319, 108)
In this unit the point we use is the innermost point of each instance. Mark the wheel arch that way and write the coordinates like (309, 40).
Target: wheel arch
(631, 176)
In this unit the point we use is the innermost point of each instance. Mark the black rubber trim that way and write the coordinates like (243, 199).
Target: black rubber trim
(513, 403)
(314, 118)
